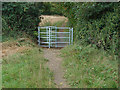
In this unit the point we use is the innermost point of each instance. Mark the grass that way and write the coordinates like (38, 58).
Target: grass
(26, 69)
(87, 67)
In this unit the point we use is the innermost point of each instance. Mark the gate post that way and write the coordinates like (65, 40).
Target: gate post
(69, 35)
(49, 37)
(39, 36)
(72, 37)
(56, 36)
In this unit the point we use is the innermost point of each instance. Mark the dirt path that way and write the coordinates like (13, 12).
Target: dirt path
(54, 64)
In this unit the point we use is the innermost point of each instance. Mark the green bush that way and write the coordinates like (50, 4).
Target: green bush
(24, 17)
(95, 23)
(20, 17)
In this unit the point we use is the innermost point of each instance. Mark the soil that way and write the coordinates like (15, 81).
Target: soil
(11, 48)
(54, 63)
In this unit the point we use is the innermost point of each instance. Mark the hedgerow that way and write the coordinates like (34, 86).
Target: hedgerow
(24, 17)
(20, 17)
(95, 23)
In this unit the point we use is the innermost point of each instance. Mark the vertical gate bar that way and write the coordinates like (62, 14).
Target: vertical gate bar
(55, 36)
(39, 36)
(72, 37)
(47, 33)
(69, 36)
(49, 37)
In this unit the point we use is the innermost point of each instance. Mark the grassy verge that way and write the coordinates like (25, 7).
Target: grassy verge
(87, 67)
(26, 69)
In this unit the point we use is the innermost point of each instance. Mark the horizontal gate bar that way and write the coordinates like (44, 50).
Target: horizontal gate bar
(53, 27)
(59, 42)
(60, 32)
(47, 35)
(59, 46)
(55, 42)
(44, 37)
(44, 42)
(50, 46)
(54, 37)
(43, 32)
(63, 28)
(59, 37)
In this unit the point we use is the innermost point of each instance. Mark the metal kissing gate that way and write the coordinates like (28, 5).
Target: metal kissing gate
(51, 36)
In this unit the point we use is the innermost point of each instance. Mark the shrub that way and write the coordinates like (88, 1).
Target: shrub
(20, 17)
(95, 23)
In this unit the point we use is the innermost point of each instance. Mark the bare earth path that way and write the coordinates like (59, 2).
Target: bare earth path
(54, 64)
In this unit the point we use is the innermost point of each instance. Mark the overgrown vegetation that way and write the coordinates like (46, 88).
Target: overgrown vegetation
(95, 23)
(23, 17)
(26, 69)
(88, 67)
(20, 17)
(92, 62)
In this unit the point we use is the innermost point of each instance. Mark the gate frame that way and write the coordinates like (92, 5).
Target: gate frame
(48, 31)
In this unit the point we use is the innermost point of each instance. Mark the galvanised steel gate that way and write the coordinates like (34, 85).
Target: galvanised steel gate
(51, 36)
